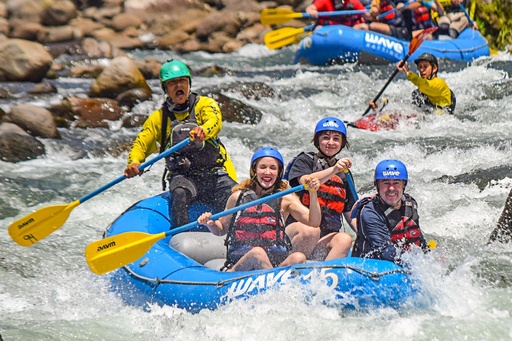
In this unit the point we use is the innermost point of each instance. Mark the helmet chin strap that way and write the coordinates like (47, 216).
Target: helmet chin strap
(178, 108)
(329, 159)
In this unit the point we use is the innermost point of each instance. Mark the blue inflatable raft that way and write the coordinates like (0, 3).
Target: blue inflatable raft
(338, 44)
(183, 270)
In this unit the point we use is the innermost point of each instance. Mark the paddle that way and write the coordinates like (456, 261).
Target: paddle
(350, 182)
(471, 23)
(30, 229)
(110, 253)
(284, 36)
(413, 46)
(276, 16)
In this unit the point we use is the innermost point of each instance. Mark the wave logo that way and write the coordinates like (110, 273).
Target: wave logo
(330, 124)
(265, 281)
(382, 42)
(391, 173)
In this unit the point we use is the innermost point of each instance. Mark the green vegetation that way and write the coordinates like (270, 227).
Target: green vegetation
(494, 18)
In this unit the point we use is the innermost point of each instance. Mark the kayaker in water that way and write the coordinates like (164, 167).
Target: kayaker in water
(335, 196)
(433, 94)
(256, 236)
(202, 169)
(388, 222)
(337, 5)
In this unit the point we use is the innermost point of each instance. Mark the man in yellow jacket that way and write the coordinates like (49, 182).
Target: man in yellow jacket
(433, 94)
(200, 170)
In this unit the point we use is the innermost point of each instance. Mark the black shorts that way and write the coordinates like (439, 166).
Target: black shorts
(400, 32)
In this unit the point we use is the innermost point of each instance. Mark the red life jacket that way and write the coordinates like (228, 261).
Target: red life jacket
(385, 6)
(421, 18)
(332, 195)
(260, 225)
(403, 225)
(341, 5)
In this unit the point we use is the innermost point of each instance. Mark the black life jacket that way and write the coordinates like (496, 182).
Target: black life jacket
(260, 225)
(421, 100)
(196, 157)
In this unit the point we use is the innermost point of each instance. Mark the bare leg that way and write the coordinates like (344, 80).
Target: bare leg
(332, 246)
(303, 237)
(255, 259)
(294, 258)
(380, 27)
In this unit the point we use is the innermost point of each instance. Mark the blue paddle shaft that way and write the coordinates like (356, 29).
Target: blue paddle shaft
(471, 23)
(335, 13)
(350, 182)
(236, 209)
(141, 168)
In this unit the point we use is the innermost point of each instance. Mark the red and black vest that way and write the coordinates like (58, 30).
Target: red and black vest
(393, 18)
(347, 20)
(260, 225)
(403, 224)
(332, 195)
(421, 18)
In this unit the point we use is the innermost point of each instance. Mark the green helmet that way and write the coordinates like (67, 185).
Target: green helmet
(174, 69)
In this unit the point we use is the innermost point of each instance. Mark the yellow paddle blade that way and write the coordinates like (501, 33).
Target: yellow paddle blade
(276, 16)
(432, 244)
(282, 37)
(36, 226)
(114, 252)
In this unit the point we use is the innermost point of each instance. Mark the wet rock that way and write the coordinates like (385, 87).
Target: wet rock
(100, 49)
(58, 34)
(88, 71)
(35, 120)
(124, 20)
(503, 231)
(17, 147)
(42, 88)
(5, 27)
(6, 127)
(150, 67)
(59, 13)
(91, 112)
(234, 110)
(132, 97)
(121, 75)
(25, 30)
(23, 60)
(26, 10)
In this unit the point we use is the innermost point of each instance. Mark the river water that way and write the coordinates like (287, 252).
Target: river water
(459, 168)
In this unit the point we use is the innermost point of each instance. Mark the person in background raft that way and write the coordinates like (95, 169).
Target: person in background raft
(433, 94)
(337, 5)
(202, 169)
(256, 236)
(503, 231)
(388, 223)
(452, 19)
(335, 196)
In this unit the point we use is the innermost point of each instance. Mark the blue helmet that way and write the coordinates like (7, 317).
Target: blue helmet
(327, 124)
(270, 152)
(391, 169)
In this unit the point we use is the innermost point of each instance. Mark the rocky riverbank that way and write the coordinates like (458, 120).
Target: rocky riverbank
(34, 34)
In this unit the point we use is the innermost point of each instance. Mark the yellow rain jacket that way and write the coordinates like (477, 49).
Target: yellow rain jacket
(208, 116)
(436, 89)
